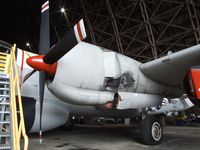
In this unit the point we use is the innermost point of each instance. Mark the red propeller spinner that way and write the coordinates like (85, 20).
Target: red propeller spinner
(37, 63)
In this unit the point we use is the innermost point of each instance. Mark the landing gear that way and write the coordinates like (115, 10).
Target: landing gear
(69, 124)
(151, 130)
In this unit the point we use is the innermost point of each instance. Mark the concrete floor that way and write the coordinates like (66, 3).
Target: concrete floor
(114, 137)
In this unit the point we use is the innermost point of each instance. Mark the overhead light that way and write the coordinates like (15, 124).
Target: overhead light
(27, 44)
(62, 10)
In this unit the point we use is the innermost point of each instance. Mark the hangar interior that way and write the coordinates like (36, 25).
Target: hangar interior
(141, 29)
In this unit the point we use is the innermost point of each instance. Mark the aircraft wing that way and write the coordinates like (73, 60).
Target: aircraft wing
(172, 68)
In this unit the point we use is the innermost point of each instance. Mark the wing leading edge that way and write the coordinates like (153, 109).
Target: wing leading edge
(171, 69)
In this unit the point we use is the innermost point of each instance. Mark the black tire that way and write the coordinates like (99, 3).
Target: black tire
(151, 130)
(69, 124)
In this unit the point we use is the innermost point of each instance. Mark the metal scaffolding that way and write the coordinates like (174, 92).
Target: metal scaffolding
(141, 29)
(92, 36)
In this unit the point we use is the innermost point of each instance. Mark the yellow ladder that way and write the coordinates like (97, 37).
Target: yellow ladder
(8, 66)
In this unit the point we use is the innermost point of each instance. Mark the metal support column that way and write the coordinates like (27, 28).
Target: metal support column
(56, 31)
(89, 24)
(67, 19)
(148, 29)
(194, 19)
(115, 28)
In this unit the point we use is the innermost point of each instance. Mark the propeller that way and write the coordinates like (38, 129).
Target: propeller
(44, 46)
(72, 38)
(27, 76)
(46, 61)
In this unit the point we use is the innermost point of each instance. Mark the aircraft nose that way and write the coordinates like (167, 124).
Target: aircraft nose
(37, 63)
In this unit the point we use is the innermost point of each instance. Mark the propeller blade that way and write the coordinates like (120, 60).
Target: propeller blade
(42, 81)
(72, 38)
(44, 43)
(28, 75)
(44, 46)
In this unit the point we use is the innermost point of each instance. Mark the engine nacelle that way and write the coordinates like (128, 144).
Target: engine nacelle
(192, 84)
(91, 75)
(80, 76)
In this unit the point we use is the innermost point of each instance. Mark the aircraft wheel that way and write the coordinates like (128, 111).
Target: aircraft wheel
(69, 124)
(151, 130)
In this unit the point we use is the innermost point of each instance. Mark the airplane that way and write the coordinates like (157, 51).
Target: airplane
(75, 78)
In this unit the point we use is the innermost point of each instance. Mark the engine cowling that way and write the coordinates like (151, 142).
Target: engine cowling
(80, 76)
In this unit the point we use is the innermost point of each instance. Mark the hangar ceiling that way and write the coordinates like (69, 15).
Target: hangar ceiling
(141, 29)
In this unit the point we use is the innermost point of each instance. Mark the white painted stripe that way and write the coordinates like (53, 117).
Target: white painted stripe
(82, 28)
(46, 3)
(45, 8)
(76, 33)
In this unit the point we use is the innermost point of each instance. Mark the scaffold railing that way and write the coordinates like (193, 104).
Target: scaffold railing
(8, 66)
